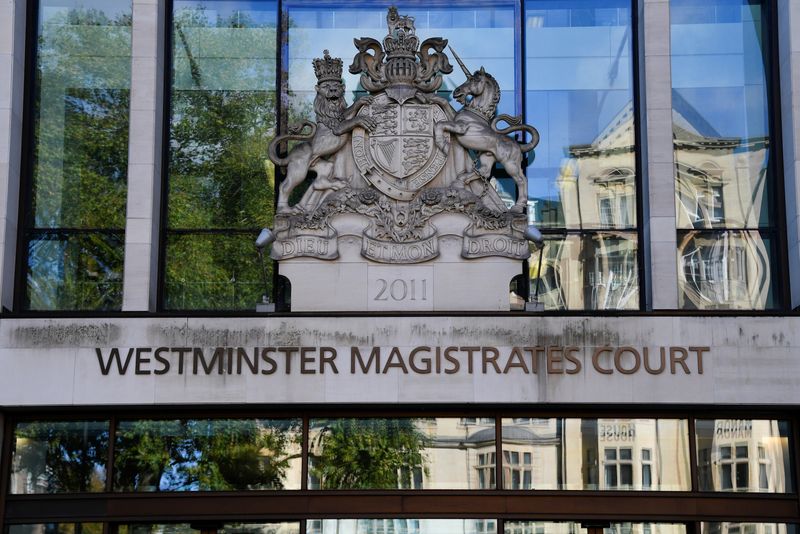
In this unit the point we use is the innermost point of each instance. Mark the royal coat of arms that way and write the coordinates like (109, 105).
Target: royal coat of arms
(391, 165)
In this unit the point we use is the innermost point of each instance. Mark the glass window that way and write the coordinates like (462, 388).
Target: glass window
(386, 453)
(74, 222)
(481, 34)
(217, 528)
(724, 170)
(401, 526)
(744, 455)
(601, 454)
(579, 94)
(546, 527)
(220, 184)
(747, 528)
(733, 269)
(56, 528)
(208, 455)
(59, 457)
(586, 270)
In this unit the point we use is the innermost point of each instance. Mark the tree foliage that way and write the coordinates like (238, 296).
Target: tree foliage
(201, 454)
(368, 453)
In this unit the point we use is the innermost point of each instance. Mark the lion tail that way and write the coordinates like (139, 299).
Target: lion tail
(295, 134)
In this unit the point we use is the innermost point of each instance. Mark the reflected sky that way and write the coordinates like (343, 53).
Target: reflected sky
(578, 94)
(482, 34)
(718, 69)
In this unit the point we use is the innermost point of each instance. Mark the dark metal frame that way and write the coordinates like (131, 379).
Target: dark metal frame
(651, 506)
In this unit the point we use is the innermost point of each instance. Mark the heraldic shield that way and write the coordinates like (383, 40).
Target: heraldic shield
(399, 155)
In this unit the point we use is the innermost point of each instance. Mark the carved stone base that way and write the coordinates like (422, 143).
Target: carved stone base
(447, 283)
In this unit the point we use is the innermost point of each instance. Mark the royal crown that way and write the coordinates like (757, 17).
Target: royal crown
(328, 68)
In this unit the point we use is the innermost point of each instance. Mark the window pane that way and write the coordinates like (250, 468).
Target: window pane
(207, 455)
(482, 33)
(721, 117)
(718, 438)
(81, 115)
(726, 270)
(223, 116)
(583, 175)
(57, 528)
(401, 526)
(567, 453)
(596, 271)
(75, 271)
(59, 457)
(372, 453)
(546, 527)
(214, 271)
(725, 176)
(758, 528)
(81, 102)
(226, 528)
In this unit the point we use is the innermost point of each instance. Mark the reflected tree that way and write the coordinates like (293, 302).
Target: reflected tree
(76, 223)
(57, 457)
(194, 455)
(368, 453)
(220, 181)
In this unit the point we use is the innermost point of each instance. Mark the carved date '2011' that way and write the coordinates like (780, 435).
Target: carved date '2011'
(400, 289)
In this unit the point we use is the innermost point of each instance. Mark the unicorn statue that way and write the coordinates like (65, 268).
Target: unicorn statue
(474, 127)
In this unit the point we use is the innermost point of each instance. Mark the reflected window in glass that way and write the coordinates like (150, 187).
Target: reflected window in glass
(750, 455)
(400, 453)
(59, 457)
(599, 454)
(725, 169)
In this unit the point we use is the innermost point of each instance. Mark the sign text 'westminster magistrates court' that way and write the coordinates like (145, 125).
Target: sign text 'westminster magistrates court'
(422, 360)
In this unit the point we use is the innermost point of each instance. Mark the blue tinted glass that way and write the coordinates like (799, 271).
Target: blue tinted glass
(580, 97)
(482, 33)
(720, 110)
(724, 179)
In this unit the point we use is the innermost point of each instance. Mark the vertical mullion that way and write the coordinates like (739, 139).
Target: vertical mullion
(281, 117)
(166, 121)
(5, 470)
(112, 432)
(637, 152)
(25, 213)
(304, 454)
(693, 455)
(519, 47)
(498, 451)
(794, 456)
(778, 222)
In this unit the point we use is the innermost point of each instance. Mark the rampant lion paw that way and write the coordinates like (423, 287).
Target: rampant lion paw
(368, 122)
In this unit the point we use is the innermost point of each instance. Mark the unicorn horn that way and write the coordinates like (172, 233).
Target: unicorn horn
(461, 63)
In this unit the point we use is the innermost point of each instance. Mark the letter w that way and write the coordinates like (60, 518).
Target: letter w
(106, 367)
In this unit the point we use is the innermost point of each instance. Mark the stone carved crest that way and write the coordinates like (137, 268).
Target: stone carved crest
(391, 165)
